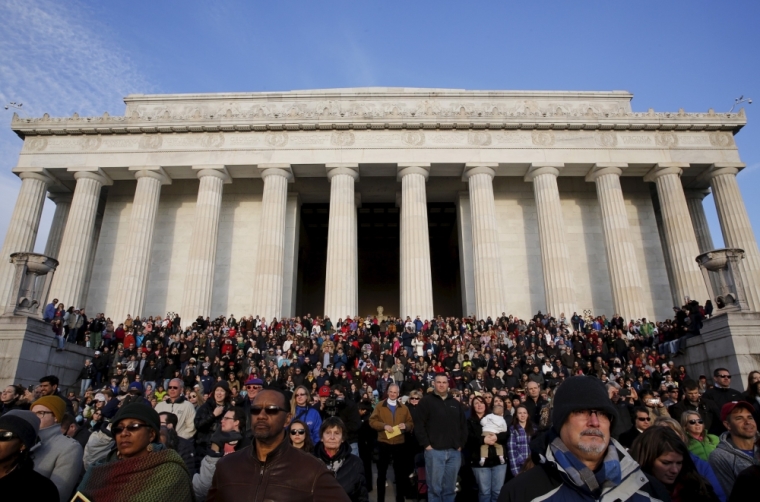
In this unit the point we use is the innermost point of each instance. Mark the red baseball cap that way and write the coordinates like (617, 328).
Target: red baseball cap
(729, 407)
(324, 391)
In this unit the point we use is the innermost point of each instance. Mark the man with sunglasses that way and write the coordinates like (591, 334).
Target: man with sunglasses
(721, 393)
(641, 422)
(268, 464)
(176, 403)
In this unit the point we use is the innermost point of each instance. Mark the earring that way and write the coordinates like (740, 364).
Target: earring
(150, 447)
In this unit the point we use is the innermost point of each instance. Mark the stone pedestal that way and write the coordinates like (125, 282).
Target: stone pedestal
(74, 255)
(342, 271)
(679, 233)
(136, 265)
(729, 340)
(558, 277)
(627, 292)
(270, 258)
(199, 282)
(415, 273)
(27, 352)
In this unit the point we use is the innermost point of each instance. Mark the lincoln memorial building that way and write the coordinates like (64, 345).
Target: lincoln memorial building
(422, 201)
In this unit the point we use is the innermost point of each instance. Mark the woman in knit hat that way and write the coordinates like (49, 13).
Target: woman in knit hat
(140, 469)
(18, 434)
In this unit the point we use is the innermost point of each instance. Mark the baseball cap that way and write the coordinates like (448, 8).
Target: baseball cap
(729, 407)
(254, 381)
(324, 391)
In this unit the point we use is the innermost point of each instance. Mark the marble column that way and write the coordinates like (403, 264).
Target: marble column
(342, 274)
(488, 268)
(73, 257)
(22, 229)
(736, 227)
(555, 258)
(679, 232)
(416, 277)
(625, 277)
(60, 217)
(694, 200)
(201, 261)
(270, 258)
(136, 265)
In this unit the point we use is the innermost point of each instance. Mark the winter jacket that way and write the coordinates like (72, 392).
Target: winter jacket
(206, 423)
(707, 472)
(58, 458)
(728, 461)
(441, 423)
(185, 412)
(276, 479)
(382, 416)
(703, 448)
(548, 482)
(311, 417)
(348, 470)
(475, 441)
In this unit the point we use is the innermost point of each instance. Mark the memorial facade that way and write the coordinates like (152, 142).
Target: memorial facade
(424, 201)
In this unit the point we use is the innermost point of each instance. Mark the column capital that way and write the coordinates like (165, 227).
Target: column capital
(59, 197)
(155, 172)
(342, 168)
(96, 174)
(412, 168)
(539, 168)
(38, 173)
(721, 168)
(696, 193)
(603, 168)
(215, 170)
(473, 168)
(283, 170)
(664, 168)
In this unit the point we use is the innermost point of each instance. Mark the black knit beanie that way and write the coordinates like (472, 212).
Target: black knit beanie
(139, 411)
(580, 393)
(21, 428)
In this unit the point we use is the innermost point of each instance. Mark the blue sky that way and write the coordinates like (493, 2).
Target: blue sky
(79, 56)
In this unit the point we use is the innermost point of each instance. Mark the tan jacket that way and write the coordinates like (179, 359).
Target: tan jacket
(382, 416)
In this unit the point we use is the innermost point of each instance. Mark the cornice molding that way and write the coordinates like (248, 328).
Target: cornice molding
(377, 109)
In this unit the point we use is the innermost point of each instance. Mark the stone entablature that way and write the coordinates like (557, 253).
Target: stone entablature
(379, 108)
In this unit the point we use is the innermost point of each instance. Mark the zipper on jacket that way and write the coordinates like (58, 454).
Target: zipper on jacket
(261, 481)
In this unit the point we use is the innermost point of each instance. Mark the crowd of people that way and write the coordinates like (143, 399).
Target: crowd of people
(546, 408)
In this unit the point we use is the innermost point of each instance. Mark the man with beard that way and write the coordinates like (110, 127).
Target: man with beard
(268, 463)
(580, 461)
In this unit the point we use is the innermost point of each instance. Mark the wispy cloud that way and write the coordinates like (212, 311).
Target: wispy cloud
(56, 59)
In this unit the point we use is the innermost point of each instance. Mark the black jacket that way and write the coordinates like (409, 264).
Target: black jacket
(440, 423)
(475, 441)
(348, 470)
(206, 423)
(628, 437)
(25, 482)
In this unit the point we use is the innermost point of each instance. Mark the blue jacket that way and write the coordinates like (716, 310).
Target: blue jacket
(312, 419)
(49, 312)
(704, 470)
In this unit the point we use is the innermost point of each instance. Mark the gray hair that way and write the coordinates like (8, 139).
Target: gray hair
(181, 383)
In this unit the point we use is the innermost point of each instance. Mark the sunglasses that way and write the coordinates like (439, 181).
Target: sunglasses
(297, 432)
(7, 436)
(414, 399)
(131, 428)
(172, 387)
(645, 419)
(253, 387)
(695, 422)
(270, 410)
(724, 376)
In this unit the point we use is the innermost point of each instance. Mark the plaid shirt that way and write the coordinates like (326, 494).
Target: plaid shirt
(517, 449)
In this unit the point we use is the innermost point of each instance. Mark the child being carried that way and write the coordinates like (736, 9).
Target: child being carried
(493, 424)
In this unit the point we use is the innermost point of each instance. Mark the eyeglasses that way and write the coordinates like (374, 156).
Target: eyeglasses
(724, 376)
(228, 418)
(193, 397)
(297, 432)
(695, 422)
(131, 428)
(644, 419)
(172, 387)
(253, 387)
(42, 414)
(599, 414)
(414, 399)
(271, 410)
(7, 436)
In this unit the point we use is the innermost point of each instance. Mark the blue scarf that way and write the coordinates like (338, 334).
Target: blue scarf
(608, 475)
